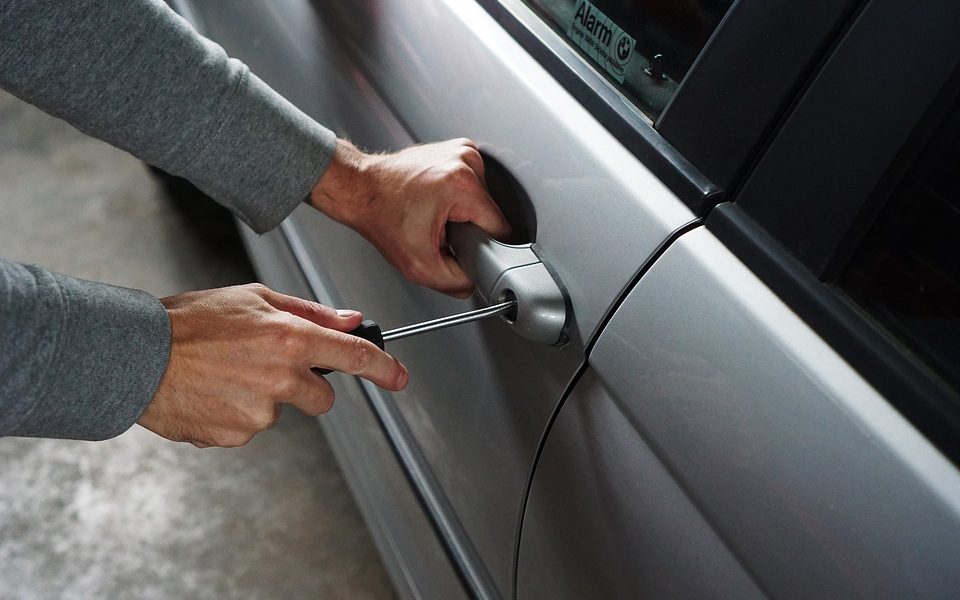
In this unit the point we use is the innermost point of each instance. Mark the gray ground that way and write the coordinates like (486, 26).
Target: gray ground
(137, 516)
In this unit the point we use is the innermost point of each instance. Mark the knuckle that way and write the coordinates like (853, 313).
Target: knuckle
(462, 173)
(285, 337)
(420, 274)
(257, 288)
(422, 271)
(469, 153)
(360, 354)
(322, 310)
(231, 438)
(225, 439)
(458, 174)
(238, 439)
(309, 307)
(324, 407)
(284, 388)
(415, 270)
(263, 419)
(325, 402)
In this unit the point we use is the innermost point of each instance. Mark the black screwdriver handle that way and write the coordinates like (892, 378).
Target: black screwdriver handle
(368, 330)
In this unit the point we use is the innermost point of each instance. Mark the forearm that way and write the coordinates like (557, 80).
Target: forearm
(136, 75)
(77, 359)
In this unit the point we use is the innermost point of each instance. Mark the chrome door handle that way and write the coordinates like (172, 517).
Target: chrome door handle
(504, 272)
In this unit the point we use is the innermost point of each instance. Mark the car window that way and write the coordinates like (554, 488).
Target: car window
(643, 47)
(906, 273)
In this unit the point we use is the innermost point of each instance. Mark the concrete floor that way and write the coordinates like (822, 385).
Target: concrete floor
(138, 516)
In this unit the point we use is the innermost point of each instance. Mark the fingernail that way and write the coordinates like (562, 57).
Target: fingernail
(347, 313)
(404, 376)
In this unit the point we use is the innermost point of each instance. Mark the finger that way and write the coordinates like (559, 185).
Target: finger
(480, 209)
(471, 156)
(317, 395)
(324, 316)
(454, 280)
(443, 273)
(277, 411)
(465, 142)
(224, 438)
(354, 355)
(235, 439)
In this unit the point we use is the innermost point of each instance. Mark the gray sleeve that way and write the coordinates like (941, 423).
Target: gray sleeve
(133, 73)
(77, 359)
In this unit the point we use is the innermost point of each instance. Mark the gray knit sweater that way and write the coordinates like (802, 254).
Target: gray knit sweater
(80, 359)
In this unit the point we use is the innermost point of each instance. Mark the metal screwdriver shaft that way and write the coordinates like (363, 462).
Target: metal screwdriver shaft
(441, 323)
(370, 331)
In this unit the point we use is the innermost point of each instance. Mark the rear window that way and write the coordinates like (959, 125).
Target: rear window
(643, 47)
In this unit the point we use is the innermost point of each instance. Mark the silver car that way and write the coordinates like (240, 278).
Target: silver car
(734, 366)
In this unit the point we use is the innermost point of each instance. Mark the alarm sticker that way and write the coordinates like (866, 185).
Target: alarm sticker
(603, 40)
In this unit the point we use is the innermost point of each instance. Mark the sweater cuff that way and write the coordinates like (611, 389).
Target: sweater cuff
(111, 353)
(273, 152)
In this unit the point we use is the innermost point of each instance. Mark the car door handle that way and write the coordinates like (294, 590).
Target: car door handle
(504, 272)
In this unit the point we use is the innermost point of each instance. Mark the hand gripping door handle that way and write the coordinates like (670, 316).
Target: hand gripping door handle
(504, 272)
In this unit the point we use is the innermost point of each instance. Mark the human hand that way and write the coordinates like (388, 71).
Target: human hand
(239, 353)
(402, 202)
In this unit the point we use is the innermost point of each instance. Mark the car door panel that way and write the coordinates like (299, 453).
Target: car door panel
(606, 519)
(807, 475)
(390, 73)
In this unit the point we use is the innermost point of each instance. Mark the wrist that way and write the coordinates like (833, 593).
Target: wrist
(344, 188)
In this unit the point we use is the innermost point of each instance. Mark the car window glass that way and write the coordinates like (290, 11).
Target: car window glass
(643, 47)
(906, 273)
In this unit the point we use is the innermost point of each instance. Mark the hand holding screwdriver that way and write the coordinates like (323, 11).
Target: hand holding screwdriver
(240, 353)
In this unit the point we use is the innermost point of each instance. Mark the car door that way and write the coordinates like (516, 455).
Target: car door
(577, 154)
(480, 395)
(773, 409)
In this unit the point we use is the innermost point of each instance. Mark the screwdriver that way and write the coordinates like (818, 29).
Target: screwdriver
(370, 331)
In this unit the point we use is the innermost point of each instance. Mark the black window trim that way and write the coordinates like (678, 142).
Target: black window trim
(819, 171)
(736, 93)
(751, 222)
